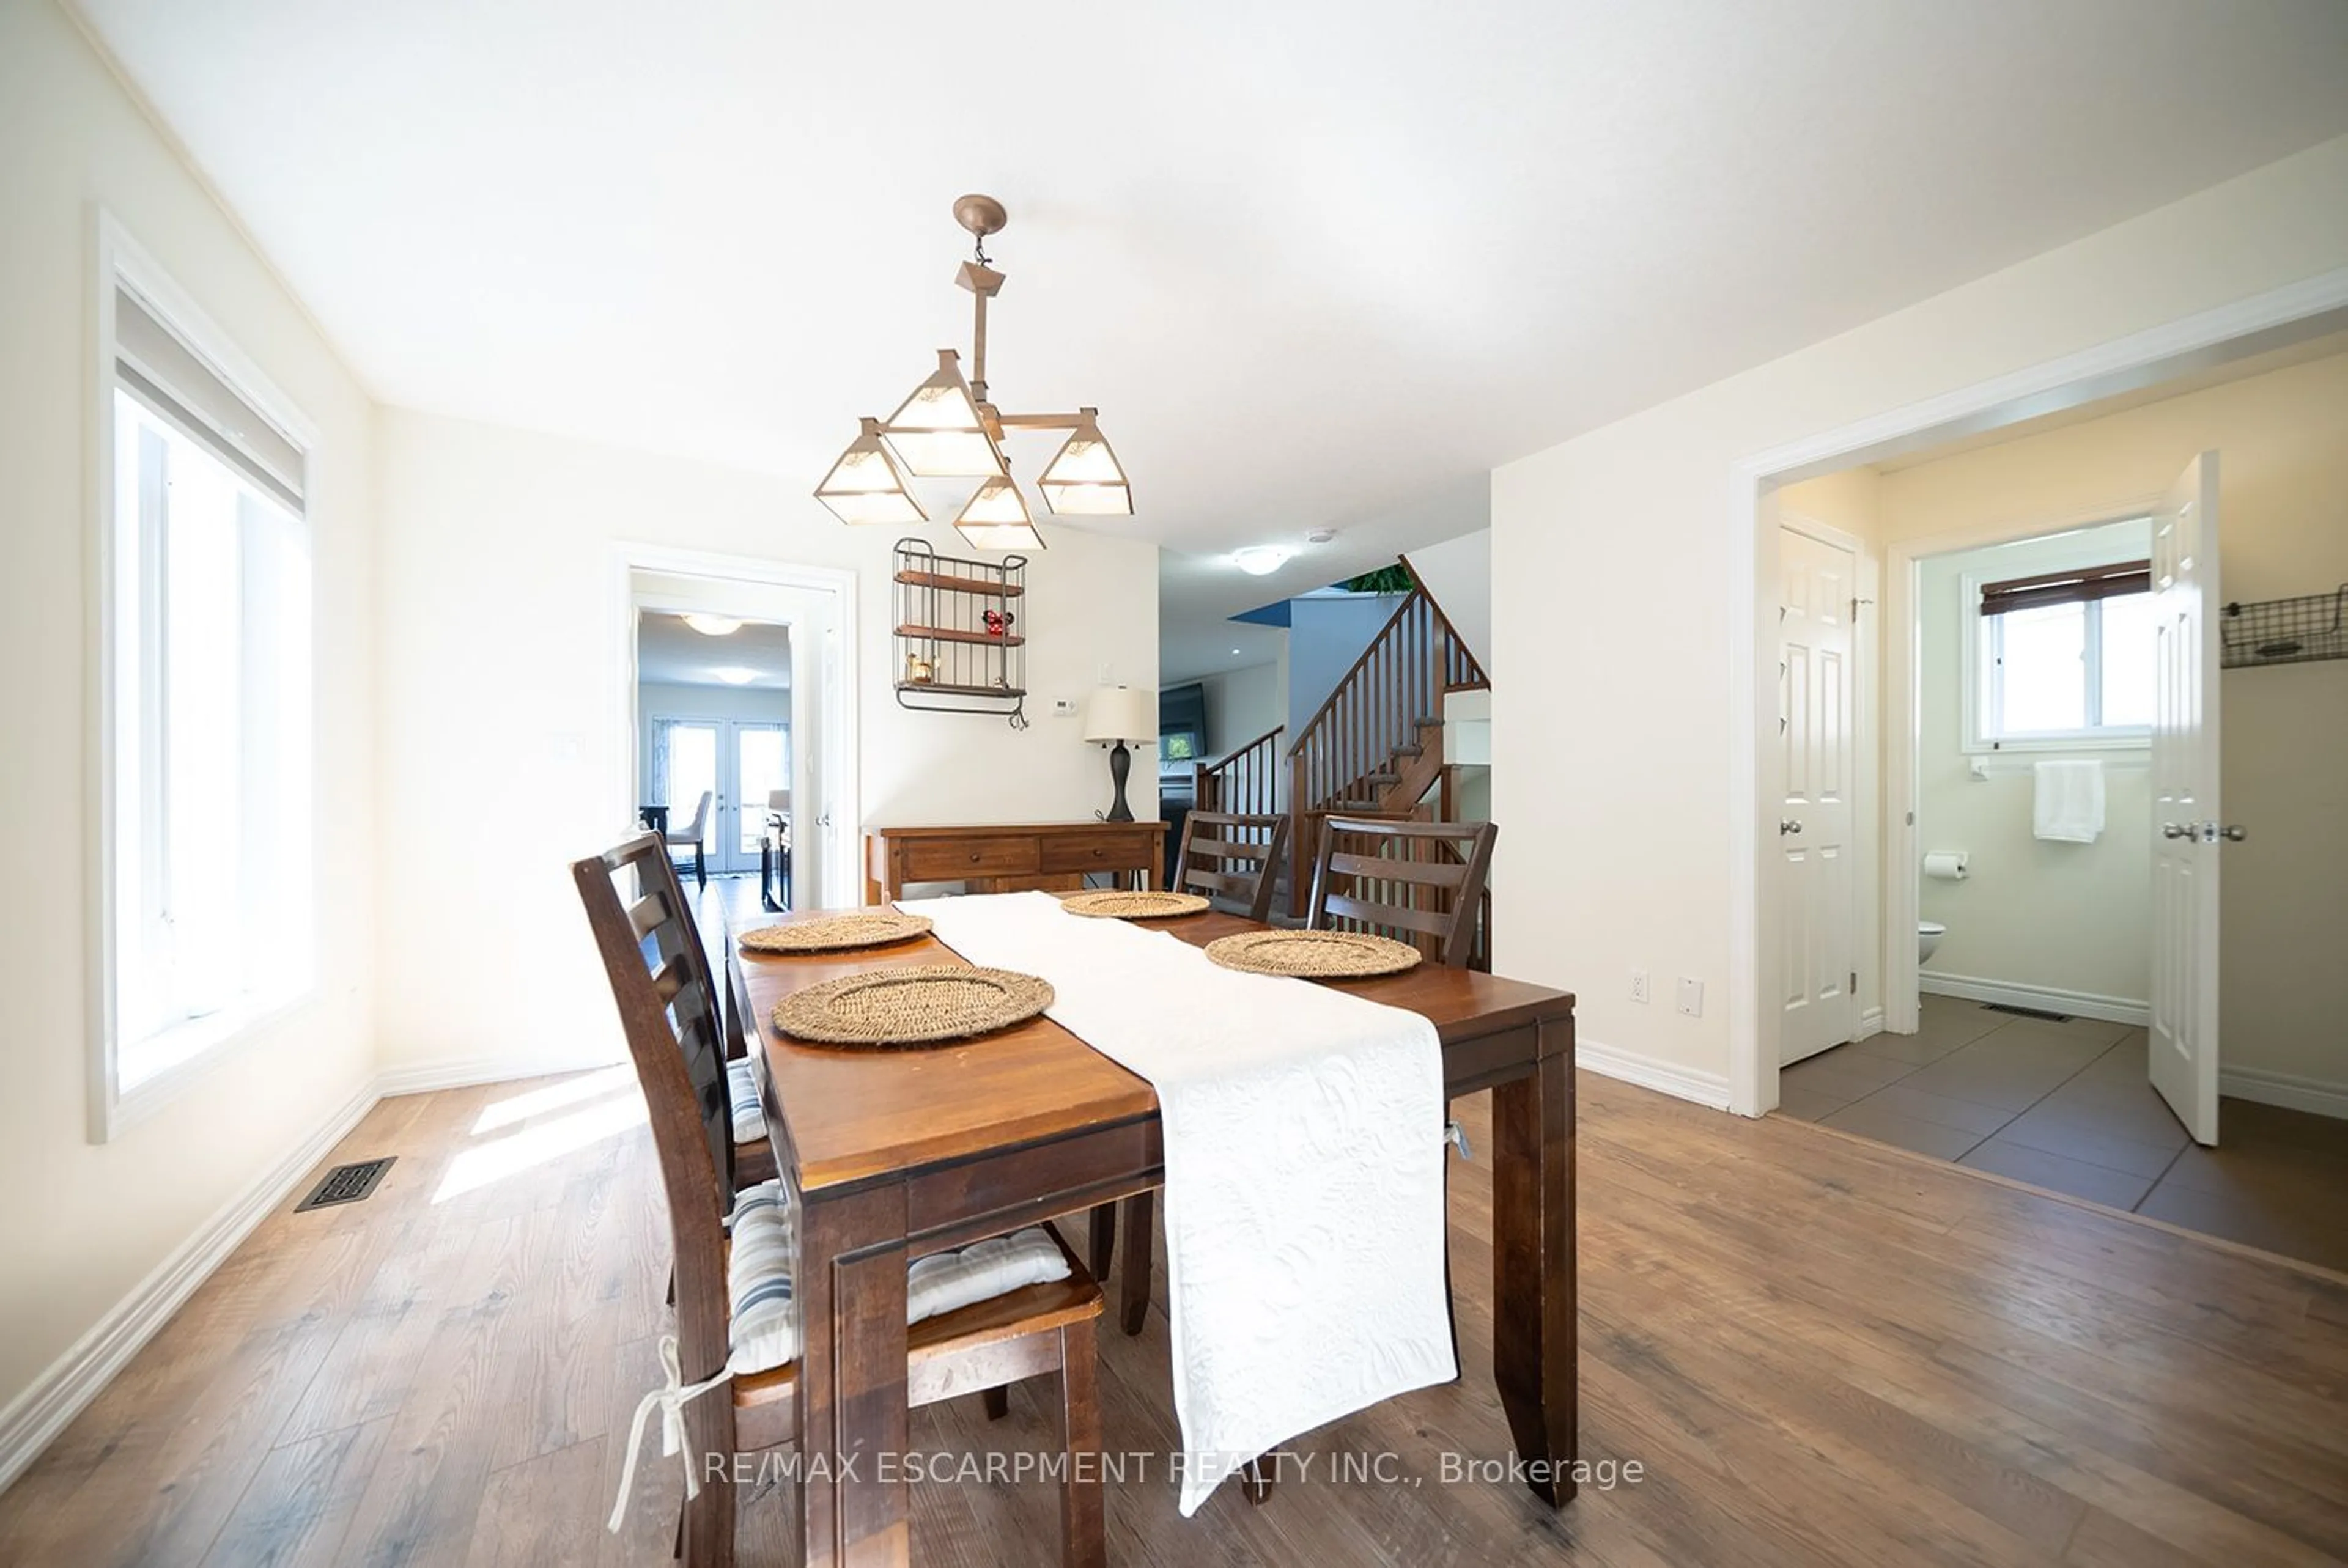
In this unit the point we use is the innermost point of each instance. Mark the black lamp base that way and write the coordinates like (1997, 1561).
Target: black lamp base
(1120, 763)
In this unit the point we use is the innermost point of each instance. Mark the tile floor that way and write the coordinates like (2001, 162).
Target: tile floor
(2067, 1106)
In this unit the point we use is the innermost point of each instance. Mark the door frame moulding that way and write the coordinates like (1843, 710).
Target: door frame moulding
(2274, 319)
(839, 702)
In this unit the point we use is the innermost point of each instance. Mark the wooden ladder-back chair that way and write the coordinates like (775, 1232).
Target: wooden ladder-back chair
(1231, 856)
(1417, 882)
(659, 981)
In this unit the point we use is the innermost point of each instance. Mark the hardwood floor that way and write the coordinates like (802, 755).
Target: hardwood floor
(1819, 1351)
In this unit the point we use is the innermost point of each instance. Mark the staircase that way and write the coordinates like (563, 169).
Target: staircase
(1376, 747)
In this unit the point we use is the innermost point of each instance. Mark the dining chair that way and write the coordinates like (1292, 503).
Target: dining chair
(983, 1316)
(696, 833)
(1237, 859)
(1418, 882)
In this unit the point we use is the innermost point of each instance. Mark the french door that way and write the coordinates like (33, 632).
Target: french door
(739, 762)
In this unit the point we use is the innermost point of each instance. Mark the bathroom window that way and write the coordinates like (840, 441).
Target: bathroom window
(2062, 661)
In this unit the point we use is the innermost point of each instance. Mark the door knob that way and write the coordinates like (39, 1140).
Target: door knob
(2175, 830)
(2234, 835)
(1787, 824)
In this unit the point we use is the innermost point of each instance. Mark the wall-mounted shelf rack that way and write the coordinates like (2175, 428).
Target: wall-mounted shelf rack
(958, 646)
(2286, 630)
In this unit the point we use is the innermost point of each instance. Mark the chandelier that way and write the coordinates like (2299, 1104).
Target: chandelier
(949, 429)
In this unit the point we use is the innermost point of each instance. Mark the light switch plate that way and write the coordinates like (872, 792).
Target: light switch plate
(1691, 997)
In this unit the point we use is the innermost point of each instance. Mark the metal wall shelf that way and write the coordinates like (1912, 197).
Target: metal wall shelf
(2286, 630)
(957, 651)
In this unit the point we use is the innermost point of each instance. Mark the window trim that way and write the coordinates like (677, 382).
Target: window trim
(118, 259)
(1976, 700)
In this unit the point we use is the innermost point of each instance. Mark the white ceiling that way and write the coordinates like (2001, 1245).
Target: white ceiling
(669, 650)
(1315, 262)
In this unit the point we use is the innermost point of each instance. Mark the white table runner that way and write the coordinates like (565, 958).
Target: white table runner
(1304, 1198)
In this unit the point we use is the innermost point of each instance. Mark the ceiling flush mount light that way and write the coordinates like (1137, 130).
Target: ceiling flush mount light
(712, 625)
(1261, 561)
(735, 675)
(948, 428)
(866, 486)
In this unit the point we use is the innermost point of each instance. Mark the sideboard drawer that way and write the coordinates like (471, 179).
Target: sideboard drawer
(948, 859)
(1095, 852)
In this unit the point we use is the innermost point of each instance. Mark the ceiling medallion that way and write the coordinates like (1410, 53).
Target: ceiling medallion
(948, 429)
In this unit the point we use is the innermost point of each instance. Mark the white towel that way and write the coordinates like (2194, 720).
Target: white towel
(2069, 804)
(1303, 1169)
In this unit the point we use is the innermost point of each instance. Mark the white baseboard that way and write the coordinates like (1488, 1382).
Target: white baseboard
(1668, 1078)
(464, 1071)
(2284, 1089)
(2046, 999)
(33, 1419)
(1870, 1024)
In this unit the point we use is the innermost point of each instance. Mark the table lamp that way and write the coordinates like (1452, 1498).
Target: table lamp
(1118, 714)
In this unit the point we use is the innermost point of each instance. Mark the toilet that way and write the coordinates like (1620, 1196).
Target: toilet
(1928, 937)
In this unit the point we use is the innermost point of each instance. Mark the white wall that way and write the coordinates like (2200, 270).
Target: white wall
(81, 1224)
(2066, 916)
(1326, 633)
(1242, 705)
(1612, 577)
(2282, 439)
(1459, 574)
(469, 510)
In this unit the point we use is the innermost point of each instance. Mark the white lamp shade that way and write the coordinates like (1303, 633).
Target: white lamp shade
(1085, 479)
(996, 518)
(1121, 713)
(937, 432)
(866, 486)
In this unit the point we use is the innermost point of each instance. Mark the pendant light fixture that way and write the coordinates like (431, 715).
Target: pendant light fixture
(949, 429)
(866, 486)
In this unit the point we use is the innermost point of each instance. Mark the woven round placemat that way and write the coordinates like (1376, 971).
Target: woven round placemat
(886, 1009)
(1314, 954)
(835, 933)
(1115, 903)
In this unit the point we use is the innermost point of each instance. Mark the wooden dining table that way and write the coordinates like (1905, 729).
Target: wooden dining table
(899, 1153)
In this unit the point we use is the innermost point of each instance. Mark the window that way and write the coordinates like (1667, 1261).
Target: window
(206, 747)
(2061, 659)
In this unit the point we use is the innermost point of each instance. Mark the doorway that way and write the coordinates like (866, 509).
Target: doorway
(737, 678)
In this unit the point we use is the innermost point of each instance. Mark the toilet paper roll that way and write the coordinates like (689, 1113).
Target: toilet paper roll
(1945, 865)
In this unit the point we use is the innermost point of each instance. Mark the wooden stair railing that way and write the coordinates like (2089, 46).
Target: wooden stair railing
(1375, 745)
(1246, 782)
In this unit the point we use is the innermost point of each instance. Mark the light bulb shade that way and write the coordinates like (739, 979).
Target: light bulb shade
(866, 486)
(1085, 479)
(997, 519)
(1121, 713)
(937, 433)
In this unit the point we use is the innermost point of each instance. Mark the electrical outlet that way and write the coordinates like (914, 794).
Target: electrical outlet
(1691, 997)
(1639, 985)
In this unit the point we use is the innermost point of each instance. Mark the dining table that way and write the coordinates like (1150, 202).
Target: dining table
(899, 1153)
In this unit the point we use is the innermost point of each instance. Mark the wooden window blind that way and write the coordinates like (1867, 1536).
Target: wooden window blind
(2077, 586)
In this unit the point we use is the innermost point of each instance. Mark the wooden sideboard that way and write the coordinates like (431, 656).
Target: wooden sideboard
(1010, 856)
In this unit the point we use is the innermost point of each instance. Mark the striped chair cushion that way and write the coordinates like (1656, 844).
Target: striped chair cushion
(750, 1120)
(765, 1319)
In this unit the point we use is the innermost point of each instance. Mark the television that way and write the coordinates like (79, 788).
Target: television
(1182, 724)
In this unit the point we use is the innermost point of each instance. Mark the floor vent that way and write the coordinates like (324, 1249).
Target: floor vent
(347, 1183)
(2026, 1012)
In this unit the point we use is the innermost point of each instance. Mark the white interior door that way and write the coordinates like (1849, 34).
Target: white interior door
(2188, 826)
(1818, 887)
